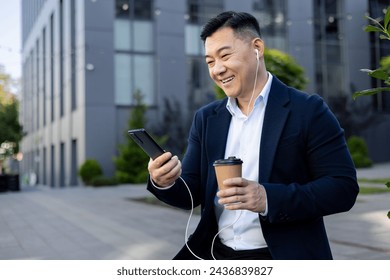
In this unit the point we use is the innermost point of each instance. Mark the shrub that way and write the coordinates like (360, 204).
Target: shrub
(359, 152)
(89, 170)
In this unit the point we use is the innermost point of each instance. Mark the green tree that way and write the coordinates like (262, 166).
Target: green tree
(10, 129)
(131, 163)
(283, 66)
(382, 73)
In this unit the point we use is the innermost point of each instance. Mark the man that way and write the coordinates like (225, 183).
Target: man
(296, 168)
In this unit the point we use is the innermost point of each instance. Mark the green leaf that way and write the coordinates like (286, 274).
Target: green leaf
(366, 70)
(388, 214)
(379, 74)
(371, 28)
(384, 37)
(387, 17)
(388, 184)
(370, 91)
(374, 20)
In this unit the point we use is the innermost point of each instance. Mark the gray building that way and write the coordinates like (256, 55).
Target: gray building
(84, 59)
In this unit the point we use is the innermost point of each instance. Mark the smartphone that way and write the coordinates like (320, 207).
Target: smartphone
(146, 142)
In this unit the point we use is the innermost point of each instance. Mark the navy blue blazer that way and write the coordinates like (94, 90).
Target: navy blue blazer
(305, 168)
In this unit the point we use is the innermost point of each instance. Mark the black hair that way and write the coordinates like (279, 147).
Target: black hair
(241, 23)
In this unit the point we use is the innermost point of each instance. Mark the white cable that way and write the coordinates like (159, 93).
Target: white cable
(254, 87)
(188, 224)
(189, 219)
(215, 236)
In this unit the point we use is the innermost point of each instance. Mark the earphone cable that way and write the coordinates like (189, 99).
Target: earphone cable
(254, 87)
(188, 225)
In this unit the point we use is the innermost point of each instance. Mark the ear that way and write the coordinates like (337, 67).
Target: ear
(258, 44)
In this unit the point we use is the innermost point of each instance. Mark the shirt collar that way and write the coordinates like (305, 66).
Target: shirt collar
(232, 106)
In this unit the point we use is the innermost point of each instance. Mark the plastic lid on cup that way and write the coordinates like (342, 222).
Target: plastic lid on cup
(228, 161)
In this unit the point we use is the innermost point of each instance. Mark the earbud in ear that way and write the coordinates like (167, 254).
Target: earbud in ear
(257, 54)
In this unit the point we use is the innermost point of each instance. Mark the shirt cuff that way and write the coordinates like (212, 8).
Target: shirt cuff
(160, 188)
(265, 213)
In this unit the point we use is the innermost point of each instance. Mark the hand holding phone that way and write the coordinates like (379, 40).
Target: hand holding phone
(146, 142)
(172, 167)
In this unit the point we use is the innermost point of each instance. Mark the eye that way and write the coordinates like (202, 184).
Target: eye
(210, 63)
(225, 56)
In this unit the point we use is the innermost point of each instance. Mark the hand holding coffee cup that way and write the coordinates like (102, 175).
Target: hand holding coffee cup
(226, 169)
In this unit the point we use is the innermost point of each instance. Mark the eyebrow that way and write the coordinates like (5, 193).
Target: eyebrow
(219, 50)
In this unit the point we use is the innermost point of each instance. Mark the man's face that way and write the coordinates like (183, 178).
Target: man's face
(231, 62)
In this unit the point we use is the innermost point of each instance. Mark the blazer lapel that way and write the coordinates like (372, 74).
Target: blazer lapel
(216, 136)
(276, 114)
(217, 132)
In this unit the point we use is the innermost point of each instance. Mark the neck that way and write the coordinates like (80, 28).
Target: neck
(246, 105)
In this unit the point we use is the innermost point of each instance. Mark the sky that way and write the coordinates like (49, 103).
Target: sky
(10, 37)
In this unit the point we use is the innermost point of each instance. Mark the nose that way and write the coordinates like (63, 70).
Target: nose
(218, 68)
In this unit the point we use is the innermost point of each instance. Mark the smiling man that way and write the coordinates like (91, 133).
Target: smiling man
(296, 165)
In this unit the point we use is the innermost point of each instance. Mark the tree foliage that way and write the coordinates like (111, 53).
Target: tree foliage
(382, 73)
(131, 163)
(285, 68)
(89, 170)
(10, 129)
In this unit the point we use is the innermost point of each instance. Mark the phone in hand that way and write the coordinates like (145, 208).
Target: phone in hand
(146, 142)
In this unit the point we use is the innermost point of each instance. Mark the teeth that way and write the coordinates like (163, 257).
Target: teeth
(227, 80)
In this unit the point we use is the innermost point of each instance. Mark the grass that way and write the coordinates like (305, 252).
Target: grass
(373, 190)
(374, 181)
(380, 183)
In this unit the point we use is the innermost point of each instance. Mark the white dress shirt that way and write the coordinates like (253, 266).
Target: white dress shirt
(241, 228)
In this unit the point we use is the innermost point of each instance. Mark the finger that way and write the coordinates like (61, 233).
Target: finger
(235, 206)
(232, 199)
(236, 181)
(232, 191)
(166, 168)
(161, 160)
(167, 178)
(175, 172)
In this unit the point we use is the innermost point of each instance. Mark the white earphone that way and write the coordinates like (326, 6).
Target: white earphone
(257, 54)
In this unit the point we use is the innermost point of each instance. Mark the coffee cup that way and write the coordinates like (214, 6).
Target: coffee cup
(227, 168)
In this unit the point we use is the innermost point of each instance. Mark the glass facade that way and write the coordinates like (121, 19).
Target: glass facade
(271, 16)
(134, 51)
(200, 86)
(330, 65)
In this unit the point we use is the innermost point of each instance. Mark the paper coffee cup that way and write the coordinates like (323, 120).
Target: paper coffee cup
(227, 168)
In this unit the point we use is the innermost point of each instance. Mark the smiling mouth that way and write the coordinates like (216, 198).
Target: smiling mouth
(227, 80)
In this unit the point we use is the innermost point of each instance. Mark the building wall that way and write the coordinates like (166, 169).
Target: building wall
(53, 126)
(301, 39)
(100, 116)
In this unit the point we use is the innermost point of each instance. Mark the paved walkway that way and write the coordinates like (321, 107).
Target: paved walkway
(109, 223)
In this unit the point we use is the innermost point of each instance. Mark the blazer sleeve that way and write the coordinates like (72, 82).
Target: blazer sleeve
(190, 181)
(323, 176)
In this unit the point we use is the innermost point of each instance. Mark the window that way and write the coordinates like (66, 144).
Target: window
(330, 66)
(134, 72)
(271, 17)
(134, 45)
